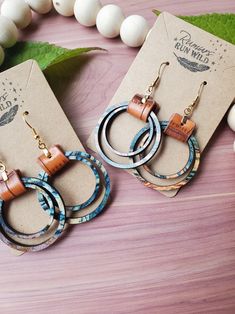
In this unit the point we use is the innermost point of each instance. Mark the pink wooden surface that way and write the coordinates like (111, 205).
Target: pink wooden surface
(146, 254)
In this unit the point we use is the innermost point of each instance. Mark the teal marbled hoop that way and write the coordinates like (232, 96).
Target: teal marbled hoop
(179, 173)
(194, 165)
(34, 183)
(75, 156)
(101, 206)
(50, 209)
(98, 135)
(89, 161)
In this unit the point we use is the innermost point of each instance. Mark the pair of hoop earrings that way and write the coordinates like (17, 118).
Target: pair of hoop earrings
(12, 184)
(146, 142)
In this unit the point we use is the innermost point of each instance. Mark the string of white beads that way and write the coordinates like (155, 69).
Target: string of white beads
(110, 20)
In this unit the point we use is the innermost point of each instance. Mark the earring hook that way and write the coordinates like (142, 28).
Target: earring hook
(189, 110)
(160, 68)
(41, 145)
(151, 87)
(26, 113)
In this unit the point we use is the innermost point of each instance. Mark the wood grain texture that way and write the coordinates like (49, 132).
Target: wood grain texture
(146, 254)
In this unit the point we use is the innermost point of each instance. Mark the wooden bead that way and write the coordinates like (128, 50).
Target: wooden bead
(9, 32)
(2, 55)
(109, 20)
(231, 118)
(64, 7)
(86, 11)
(40, 6)
(134, 30)
(18, 11)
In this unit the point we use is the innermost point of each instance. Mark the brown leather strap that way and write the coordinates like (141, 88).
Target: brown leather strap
(177, 129)
(56, 162)
(139, 110)
(13, 187)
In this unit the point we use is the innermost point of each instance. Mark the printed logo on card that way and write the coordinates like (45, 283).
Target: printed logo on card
(195, 57)
(10, 101)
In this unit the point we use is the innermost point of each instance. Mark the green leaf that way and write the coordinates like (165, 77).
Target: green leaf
(44, 53)
(220, 25)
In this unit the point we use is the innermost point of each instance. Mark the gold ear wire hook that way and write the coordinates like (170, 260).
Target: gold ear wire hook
(189, 110)
(195, 102)
(26, 113)
(41, 144)
(151, 87)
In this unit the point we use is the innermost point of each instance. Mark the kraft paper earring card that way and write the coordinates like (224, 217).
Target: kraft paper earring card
(24, 88)
(194, 56)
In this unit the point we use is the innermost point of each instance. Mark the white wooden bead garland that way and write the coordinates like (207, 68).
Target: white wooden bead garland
(108, 19)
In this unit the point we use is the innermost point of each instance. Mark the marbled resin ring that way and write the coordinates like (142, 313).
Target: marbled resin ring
(101, 206)
(50, 210)
(179, 173)
(49, 192)
(193, 163)
(94, 165)
(110, 113)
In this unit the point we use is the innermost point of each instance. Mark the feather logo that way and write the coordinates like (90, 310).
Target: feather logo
(192, 66)
(8, 116)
